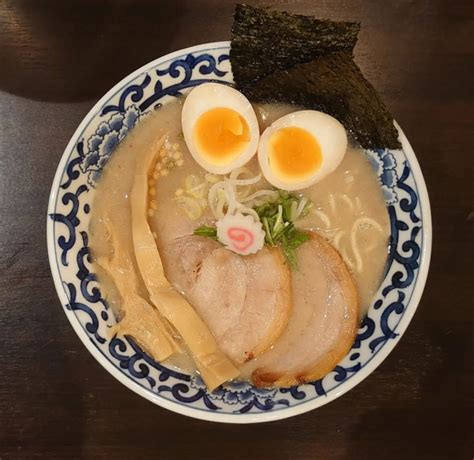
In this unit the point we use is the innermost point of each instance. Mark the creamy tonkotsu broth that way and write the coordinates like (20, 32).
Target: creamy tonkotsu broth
(349, 210)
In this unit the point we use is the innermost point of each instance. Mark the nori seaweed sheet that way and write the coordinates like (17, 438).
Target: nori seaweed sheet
(264, 41)
(335, 85)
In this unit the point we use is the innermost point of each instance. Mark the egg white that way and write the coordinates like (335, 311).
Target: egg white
(209, 96)
(329, 133)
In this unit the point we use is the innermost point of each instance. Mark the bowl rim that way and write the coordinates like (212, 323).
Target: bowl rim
(363, 373)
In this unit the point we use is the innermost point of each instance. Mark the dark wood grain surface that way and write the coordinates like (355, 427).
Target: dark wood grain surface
(56, 59)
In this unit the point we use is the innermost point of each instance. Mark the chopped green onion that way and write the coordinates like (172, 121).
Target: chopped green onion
(278, 217)
(268, 233)
(208, 232)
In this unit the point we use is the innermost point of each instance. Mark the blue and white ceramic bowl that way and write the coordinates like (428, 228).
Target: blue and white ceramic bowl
(70, 204)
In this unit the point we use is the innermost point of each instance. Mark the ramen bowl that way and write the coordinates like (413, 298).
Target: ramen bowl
(70, 205)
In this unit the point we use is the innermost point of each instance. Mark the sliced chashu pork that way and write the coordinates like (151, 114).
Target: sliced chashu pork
(323, 323)
(245, 301)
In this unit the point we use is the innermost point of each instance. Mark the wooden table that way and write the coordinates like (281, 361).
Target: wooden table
(56, 59)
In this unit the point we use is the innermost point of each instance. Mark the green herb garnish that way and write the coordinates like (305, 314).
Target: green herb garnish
(278, 219)
(205, 230)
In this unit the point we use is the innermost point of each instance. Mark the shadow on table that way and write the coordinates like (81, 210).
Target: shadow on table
(75, 50)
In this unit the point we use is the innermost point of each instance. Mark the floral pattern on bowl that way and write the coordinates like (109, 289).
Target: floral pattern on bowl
(76, 283)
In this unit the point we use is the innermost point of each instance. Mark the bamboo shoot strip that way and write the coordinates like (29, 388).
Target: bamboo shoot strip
(214, 366)
(140, 320)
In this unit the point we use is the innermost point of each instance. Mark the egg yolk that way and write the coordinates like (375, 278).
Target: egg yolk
(294, 153)
(221, 134)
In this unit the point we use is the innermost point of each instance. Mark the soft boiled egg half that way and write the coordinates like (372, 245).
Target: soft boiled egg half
(301, 148)
(220, 127)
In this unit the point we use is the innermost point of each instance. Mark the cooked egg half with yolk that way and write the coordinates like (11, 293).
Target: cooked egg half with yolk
(301, 148)
(220, 127)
